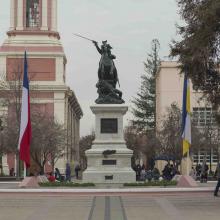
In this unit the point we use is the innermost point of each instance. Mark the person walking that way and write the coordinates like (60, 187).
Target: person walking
(77, 169)
(68, 172)
(218, 179)
(192, 173)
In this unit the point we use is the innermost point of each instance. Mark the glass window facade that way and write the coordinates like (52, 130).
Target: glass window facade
(201, 154)
(33, 13)
(205, 117)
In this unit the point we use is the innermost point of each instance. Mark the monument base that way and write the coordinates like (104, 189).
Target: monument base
(113, 169)
(109, 159)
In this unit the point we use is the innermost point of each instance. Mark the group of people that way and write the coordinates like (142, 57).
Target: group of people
(57, 176)
(143, 174)
(200, 172)
(169, 171)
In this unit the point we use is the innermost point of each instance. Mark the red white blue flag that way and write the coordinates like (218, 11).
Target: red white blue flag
(25, 125)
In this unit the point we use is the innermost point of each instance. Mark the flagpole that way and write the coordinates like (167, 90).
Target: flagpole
(25, 170)
(187, 164)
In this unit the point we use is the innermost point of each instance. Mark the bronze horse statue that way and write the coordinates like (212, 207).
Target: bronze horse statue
(107, 70)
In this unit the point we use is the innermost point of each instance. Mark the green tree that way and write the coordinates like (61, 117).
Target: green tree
(144, 109)
(198, 51)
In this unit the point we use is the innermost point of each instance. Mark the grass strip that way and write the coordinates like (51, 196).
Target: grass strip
(153, 183)
(65, 184)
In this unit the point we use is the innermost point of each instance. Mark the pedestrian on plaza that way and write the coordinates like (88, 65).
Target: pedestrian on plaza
(77, 169)
(172, 171)
(12, 170)
(68, 172)
(51, 177)
(167, 172)
(57, 174)
(138, 172)
(143, 173)
(204, 173)
(192, 173)
(198, 169)
(156, 173)
(217, 173)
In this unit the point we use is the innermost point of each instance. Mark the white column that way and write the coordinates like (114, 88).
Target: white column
(59, 106)
(54, 16)
(20, 15)
(12, 15)
(5, 165)
(44, 15)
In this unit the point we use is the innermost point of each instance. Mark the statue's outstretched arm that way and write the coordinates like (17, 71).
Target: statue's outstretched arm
(97, 47)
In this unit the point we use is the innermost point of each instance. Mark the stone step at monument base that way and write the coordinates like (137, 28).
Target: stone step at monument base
(109, 176)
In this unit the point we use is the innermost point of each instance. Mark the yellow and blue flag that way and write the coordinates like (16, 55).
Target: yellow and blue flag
(186, 118)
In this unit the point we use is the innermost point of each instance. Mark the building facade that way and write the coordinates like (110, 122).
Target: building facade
(33, 28)
(169, 89)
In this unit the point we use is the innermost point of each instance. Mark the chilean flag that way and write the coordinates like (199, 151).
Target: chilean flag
(25, 126)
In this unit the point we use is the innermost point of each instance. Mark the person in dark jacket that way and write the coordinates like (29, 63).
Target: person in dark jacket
(68, 172)
(218, 179)
(77, 169)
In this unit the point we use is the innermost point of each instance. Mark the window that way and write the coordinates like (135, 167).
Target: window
(202, 154)
(203, 116)
(32, 13)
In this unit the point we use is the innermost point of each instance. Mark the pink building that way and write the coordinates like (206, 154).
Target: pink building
(33, 27)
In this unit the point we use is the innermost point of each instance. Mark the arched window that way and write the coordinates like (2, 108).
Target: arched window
(33, 13)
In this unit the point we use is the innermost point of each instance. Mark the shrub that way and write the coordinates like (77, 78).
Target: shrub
(154, 183)
(65, 184)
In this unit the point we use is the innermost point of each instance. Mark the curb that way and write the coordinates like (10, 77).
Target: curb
(125, 190)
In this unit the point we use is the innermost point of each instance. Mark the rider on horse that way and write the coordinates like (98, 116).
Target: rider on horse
(107, 70)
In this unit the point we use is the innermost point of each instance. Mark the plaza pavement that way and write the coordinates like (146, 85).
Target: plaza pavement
(109, 204)
(65, 206)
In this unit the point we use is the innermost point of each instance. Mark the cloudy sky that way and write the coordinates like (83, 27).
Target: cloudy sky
(128, 25)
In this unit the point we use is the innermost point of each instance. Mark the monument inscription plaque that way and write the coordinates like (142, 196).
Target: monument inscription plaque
(109, 125)
(109, 162)
(109, 177)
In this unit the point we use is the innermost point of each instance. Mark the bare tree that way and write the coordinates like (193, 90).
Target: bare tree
(211, 140)
(48, 140)
(85, 143)
(10, 95)
(142, 144)
(170, 135)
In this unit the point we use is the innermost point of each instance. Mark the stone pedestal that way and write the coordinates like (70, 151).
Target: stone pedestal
(186, 165)
(109, 159)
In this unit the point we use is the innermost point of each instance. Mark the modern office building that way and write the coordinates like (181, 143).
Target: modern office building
(169, 89)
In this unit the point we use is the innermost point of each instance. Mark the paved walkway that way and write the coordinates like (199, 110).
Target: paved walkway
(101, 207)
